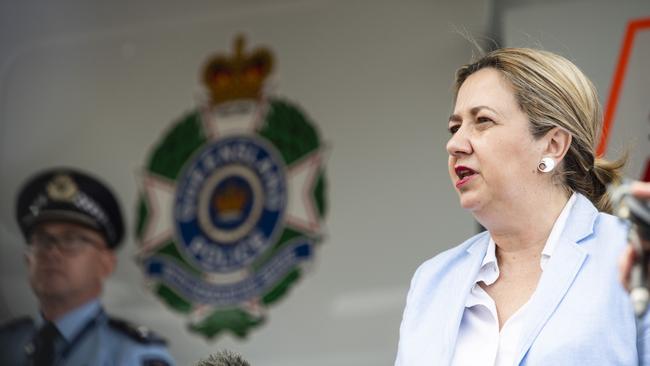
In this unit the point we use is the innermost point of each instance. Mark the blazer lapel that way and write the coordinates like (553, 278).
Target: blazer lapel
(463, 277)
(561, 269)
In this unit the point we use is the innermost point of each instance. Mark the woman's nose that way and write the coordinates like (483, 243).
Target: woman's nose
(459, 143)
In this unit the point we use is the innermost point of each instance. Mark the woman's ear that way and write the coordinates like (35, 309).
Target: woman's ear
(558, 141)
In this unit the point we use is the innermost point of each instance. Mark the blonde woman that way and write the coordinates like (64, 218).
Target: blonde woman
(541, 285)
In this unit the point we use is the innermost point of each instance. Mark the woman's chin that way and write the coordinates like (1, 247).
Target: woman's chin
(469, 201)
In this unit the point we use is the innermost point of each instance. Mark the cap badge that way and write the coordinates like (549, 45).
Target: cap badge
(62, 188)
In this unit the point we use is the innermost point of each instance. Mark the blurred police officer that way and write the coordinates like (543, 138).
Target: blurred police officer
(72, 225)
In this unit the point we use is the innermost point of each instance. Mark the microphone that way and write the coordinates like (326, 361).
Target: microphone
(637, 212)
(224, 358)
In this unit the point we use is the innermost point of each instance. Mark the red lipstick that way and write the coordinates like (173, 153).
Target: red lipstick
(465, 174)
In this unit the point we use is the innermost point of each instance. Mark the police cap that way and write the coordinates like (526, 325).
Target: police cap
(64, 194)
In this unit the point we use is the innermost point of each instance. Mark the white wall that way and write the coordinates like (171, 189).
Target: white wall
(93, 85)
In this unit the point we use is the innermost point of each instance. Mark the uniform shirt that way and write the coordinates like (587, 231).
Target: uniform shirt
(87, 337)
(479, 340)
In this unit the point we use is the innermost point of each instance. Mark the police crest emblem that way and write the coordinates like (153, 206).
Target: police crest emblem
(233, 199)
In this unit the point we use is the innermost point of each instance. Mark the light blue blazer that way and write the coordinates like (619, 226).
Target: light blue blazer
(578, 315)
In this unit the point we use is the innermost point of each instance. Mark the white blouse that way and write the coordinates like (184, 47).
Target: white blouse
(479, 340)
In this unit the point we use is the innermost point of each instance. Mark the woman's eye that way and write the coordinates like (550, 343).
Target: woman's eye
(483, 119)
(453, 129)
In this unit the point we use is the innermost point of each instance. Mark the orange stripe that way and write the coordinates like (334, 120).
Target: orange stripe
(619, 75)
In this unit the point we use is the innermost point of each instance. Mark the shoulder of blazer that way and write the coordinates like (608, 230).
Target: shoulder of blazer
(444, 262)
(452, 255)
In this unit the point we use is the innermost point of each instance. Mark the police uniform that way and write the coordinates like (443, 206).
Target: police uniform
(86, 335)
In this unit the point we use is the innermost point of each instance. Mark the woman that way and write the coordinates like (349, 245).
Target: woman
(540, 286)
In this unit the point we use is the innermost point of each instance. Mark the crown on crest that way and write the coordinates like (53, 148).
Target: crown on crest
(240, 76)
(230, 200)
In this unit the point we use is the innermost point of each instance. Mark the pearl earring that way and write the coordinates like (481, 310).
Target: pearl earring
(546, 165)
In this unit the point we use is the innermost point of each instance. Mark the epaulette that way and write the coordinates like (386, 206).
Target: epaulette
(18, 323)
(138, 333)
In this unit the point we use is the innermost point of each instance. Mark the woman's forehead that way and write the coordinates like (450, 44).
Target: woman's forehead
(486, 87)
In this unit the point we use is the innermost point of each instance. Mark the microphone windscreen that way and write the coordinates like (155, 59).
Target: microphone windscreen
(224, 358)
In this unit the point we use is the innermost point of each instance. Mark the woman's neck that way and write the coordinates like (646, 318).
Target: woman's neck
(520, 230)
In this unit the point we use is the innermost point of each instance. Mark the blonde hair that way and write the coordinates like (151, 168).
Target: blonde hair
(553, 92)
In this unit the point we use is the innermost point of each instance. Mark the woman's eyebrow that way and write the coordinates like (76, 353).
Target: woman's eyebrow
(474, 111)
